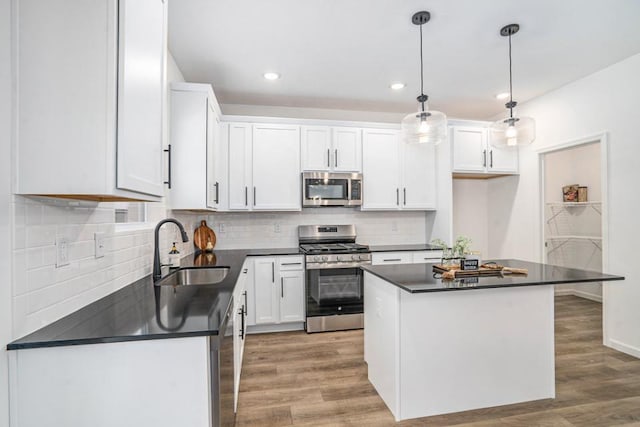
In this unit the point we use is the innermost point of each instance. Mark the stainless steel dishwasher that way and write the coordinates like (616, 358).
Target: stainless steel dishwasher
(221, 356)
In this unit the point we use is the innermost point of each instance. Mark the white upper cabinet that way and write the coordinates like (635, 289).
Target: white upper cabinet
(472, 153)
(397, 175)
(194, 140)
(90, 91)
(264, 167)
(327, 149)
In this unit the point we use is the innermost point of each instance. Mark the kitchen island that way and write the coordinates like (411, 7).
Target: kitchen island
(434, 346)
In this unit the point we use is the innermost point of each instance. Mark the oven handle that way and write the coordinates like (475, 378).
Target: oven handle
(325, 266)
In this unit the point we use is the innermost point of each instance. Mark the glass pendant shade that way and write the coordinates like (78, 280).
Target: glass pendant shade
(424, 127)
(512, 132)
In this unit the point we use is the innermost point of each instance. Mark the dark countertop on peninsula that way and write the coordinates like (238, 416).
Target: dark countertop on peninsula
(142, 311)
(417, 278)
(404, 247)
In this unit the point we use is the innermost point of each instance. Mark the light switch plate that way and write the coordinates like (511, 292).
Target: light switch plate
(62, 251)
(99, 238)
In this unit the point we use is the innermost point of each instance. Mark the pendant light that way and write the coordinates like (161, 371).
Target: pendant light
(423, 126)
(512, 131)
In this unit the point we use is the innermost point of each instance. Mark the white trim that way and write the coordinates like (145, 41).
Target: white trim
(602, 139)
(630, 350)
(579, 294)
(279, 327)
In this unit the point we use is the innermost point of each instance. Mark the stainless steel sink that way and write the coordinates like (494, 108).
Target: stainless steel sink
(195, 276)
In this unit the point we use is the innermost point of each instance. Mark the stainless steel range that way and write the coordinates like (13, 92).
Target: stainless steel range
(334, 296)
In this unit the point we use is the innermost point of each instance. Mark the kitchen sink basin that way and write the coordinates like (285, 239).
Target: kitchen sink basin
(195, 276)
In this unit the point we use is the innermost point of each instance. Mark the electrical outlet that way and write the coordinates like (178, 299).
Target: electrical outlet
(222, 228)
(62, 251)
(99, 238)
(276, 227)
(394, 226)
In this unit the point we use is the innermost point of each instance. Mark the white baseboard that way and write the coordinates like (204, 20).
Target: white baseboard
(281, 327)
(581, 294)
(628, 349)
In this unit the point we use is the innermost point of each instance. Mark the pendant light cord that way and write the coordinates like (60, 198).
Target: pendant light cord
(510, 81)
(421, 69)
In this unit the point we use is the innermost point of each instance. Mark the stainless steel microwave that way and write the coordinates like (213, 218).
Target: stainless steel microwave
(331, 189)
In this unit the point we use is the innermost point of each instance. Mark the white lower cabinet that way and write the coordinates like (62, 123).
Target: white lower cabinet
(276, 294)
(405, 257)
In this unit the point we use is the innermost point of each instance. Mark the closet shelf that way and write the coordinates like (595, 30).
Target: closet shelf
(574, 237)
(572, 204)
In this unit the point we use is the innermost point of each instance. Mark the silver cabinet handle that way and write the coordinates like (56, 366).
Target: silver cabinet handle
(484, 158)
(254, 196)
(491, 158)
(336, 158)
(217, 192)
(404, 195)
(328, 158)
(273, 272)
(291, 263)
(394, 259)
(282, 287)
(246, 195)
(398, 196)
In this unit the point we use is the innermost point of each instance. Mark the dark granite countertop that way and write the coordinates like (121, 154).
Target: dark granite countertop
(417, 278)
(407, 247)
(142, 311)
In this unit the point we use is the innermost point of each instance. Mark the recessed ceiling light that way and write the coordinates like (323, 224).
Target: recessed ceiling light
(503, 95)
(271, 76)
(397, 86)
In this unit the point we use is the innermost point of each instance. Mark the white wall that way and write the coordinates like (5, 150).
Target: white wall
(577, 165)
(5, 212)
(470, 213)
(604, 101)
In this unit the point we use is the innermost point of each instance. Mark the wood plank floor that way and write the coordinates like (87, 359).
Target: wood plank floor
(321, 380)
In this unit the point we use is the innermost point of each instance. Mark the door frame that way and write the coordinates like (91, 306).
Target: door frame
(602, 139)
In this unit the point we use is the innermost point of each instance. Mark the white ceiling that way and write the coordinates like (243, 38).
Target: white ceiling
(343, 54)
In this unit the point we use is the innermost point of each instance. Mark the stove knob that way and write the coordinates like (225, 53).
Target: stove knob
(355, 257)
(325, 258)
(317, 258)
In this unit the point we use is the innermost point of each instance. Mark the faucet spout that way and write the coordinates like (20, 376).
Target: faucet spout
(157, 272)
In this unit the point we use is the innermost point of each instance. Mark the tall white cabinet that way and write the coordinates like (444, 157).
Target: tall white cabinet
(195, 137)
(89, 94)
(264, 167)
(397, 176)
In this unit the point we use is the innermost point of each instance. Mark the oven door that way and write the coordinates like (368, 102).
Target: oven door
(334, 291)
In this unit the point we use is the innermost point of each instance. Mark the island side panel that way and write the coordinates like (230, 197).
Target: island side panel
(150, 383)
(470, 349)
(381, 339)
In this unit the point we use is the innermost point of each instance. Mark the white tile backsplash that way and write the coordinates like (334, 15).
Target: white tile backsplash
(43, 293)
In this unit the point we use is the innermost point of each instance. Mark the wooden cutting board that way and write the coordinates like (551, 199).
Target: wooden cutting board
(204, 235)
(439, 268)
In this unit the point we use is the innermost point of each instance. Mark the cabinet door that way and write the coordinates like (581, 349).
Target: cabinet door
(213, 138)
(380, 258)
(315, 144)
(380, 170)
(419, 176)
(266, 290)
(503, 160)
(292, 296)
(469, 149)
(141, 64)
(347, 150)
(239, 166)
(276, 167)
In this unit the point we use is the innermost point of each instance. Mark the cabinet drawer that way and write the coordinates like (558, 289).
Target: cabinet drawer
(378, 258)
(291, 263)
(426, 257)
